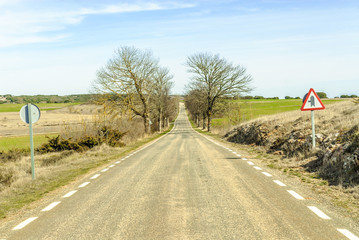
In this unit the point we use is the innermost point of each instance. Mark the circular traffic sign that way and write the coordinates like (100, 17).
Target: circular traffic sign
(35, 113)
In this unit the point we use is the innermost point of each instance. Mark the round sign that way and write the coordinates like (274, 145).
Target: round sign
(35, 113)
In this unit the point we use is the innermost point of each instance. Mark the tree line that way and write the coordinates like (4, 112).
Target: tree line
(75, 98)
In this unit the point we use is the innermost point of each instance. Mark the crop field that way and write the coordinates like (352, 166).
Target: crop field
(55, 117)
(42, 106)
(22, 142)
(254, 108)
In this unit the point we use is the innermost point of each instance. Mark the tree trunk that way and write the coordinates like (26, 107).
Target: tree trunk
(159, 119)
(204, 121)
(209, 122)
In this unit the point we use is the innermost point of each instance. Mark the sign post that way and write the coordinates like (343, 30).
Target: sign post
(311, 102)
(30, 114)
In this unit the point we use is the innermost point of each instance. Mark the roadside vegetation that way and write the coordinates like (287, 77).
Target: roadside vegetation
(282, 141)
(131, 107)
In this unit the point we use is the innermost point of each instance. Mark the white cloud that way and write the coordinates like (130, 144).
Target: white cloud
(21, 27)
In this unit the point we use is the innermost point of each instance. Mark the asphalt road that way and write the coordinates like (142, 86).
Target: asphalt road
(183, 186)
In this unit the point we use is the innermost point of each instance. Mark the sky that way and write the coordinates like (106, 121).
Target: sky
(287, 46)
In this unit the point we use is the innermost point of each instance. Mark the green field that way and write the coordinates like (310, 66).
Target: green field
(254, 108)
(22, 142)
(42, 106)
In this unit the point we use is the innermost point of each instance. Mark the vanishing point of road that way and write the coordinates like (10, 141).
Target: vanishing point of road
(182, 186)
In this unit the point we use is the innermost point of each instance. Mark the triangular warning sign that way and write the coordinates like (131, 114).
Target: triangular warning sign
(312, 102)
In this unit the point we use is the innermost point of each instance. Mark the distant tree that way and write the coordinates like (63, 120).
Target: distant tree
(195, 102)
(258, 97)
(353, 96)
(288, 97)
(344, 96)
(322, 95)
(160, 95)
(217, 78)
(247, 97)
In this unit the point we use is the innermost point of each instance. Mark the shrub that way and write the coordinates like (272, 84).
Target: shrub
(13, 155)
(7, 176)
(106, 135)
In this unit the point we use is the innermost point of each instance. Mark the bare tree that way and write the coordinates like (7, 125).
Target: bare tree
(217, 78)
(160, 95)
(195, 103)
(130, 76)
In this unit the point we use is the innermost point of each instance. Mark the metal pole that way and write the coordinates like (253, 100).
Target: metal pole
(313, 129)
(31, 141)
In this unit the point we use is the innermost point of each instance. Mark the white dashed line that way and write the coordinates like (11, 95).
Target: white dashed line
(318, 212)
(279, 183)
(244, 159)
(24, 223)
(69, 194)
(239, 155)
(267, 174)
(117, 162)
(258, 168)
(84, 184)
(250, 163)
(348, 234)
(111, 166)
(51, 206)
(95, 176)
(296, 195)
(104, 170)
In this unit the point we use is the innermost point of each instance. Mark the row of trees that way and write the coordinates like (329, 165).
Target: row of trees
(212, 78)
(47, 98)
(138, 85)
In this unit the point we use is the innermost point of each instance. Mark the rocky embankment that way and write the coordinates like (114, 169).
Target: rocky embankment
(336, 157)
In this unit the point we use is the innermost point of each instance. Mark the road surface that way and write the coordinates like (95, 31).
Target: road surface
(183, 186)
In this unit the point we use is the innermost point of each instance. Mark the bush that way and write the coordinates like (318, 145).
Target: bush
(106, 134)
(7, 176)
(13, 155)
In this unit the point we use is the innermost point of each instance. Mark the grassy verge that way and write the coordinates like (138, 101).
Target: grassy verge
(22, 142)
(66, 170)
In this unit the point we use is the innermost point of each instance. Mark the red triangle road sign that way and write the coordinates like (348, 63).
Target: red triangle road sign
(312, 102)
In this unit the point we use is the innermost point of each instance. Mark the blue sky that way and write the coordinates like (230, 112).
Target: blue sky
(288, 46)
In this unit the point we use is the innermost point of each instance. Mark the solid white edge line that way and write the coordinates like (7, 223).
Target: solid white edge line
(51, 206)
(24, 223)
(348, 234)
(279, 183)
(267, 174)
(318, 212)
(95, 176)
(84, 184)
(295, 195)
(258, 168)
(69, 194)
